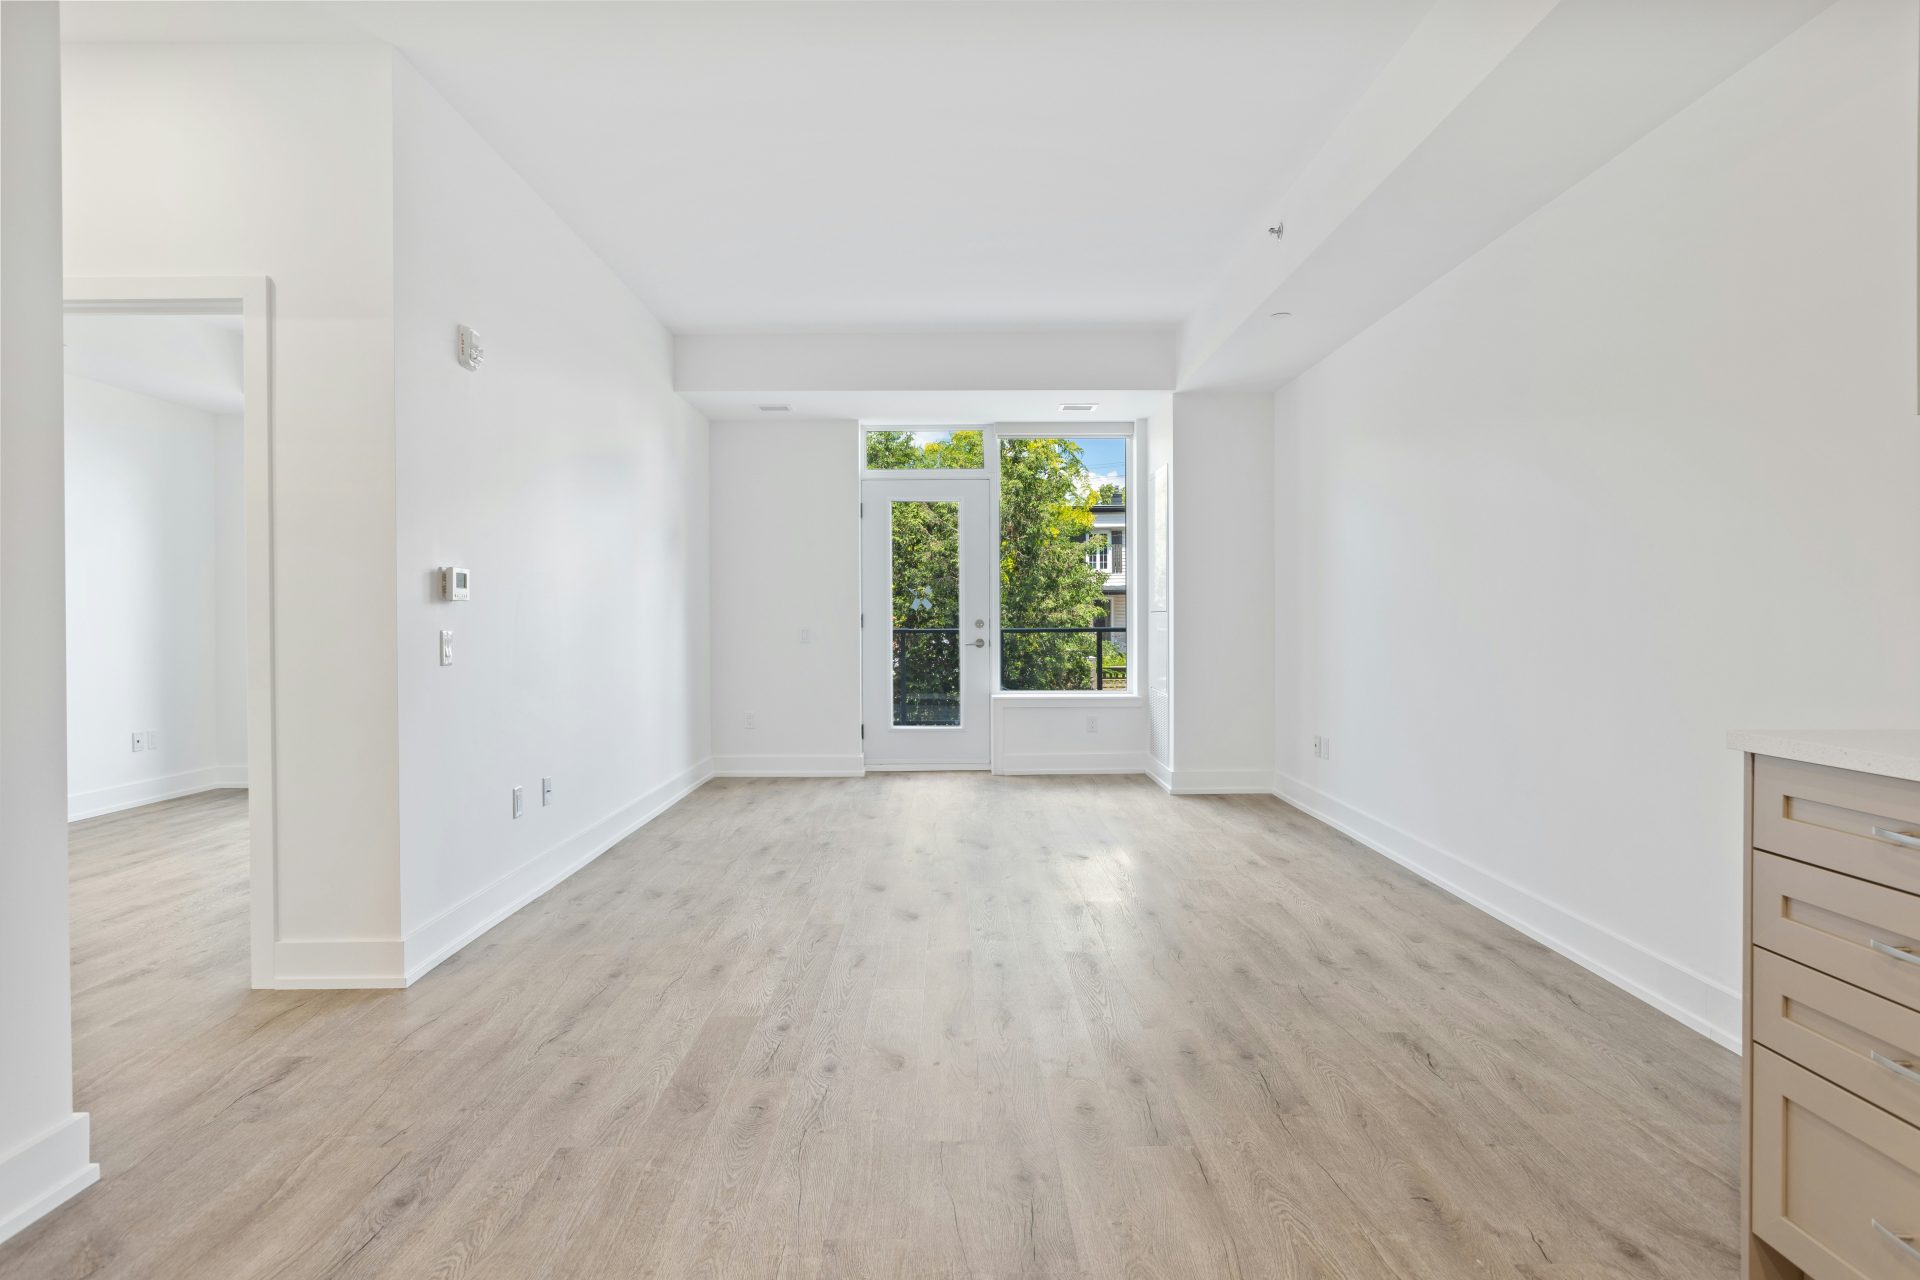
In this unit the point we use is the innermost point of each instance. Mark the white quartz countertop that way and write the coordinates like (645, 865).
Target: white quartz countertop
(1891, 753)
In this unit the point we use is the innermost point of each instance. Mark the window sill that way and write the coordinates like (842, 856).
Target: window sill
(1075, 698)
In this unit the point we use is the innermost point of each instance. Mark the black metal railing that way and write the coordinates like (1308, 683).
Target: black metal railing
(926, 666)
(1059, 663)
(926, 675)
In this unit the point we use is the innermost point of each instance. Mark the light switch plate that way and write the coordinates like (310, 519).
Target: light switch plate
(519, 803)
(546, 792)
(446, 648)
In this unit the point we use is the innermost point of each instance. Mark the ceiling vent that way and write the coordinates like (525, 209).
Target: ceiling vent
(1078, 408)
(775, 408)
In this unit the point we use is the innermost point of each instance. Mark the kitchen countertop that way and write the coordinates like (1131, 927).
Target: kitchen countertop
(1891, 753)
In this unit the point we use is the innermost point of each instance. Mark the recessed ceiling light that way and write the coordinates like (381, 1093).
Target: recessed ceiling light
(1078, 408)
(775, 408)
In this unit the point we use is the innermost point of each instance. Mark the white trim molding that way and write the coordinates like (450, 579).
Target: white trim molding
(1071, 762)
(1688, 997)
(133, 795)
(45, 1172)
(821, 766)
(1212, 782)
(454, 928)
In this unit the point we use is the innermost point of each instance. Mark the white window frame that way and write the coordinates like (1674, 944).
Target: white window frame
(991, 434)
(1063, 431)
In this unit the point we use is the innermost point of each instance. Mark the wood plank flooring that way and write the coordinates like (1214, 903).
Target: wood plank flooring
(910, 1025)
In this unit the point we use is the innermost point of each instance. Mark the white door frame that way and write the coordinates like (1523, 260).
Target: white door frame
(939, 486)
(251, 298)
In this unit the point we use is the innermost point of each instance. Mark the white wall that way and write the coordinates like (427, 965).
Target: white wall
(786, 556)
(44, 1157)
(572, 482)
(1156, 635)
(1639, 472)
(155, 636)
(1222, 647)
(1069, 733)
(230, 606)
(277, 160)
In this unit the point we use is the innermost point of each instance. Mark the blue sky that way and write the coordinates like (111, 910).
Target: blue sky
(1107, 459)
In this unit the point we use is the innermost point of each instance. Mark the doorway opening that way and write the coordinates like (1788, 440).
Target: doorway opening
(994, 566)
(170, 758)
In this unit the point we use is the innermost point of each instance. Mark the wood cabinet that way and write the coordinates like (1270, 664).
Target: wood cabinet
(1832, 1157)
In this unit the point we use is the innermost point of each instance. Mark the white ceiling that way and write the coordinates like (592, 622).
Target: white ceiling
(192, 360)
(810, 165)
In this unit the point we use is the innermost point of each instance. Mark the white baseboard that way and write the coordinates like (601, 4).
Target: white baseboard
(789, 766)
(467, 919)
(1217, 782)
(1072, 762)
(338, 964)
(1159, 773)
(45, 1172)
(132, 795)
(1677, 991)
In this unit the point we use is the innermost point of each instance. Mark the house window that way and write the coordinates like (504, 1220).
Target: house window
(905, 449)
(1063, 519)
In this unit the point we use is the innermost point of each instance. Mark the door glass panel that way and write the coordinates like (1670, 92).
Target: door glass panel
(926, 613)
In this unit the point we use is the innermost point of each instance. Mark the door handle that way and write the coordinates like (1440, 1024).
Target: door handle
(980, 643)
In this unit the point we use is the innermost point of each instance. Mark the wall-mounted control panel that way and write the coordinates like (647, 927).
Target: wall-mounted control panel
(455, 584)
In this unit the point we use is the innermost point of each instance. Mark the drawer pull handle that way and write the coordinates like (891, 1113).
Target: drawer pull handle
(1888, 949)
(1902, 1069)
(1903, 1243)
(1905, 838)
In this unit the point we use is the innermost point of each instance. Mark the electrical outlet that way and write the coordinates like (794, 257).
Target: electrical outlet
(1317, 740)
(140, 741)
(750, 721)
(806, 635)
(519, 803)
(153, 739)
(1326, 748)
(546, 792)
(1093, 724)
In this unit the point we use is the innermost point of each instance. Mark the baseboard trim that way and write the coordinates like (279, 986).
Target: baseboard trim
(338, 964)
(1218, 782)
(789, 766)
(45, 1172)
(431, 943)
(1159, 773)
(1689, 998)
(133, 795)
(1071, 762)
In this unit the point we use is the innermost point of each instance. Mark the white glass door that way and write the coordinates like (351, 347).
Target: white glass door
(927, 643)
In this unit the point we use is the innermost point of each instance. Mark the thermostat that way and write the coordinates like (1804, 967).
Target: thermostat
(454, 584)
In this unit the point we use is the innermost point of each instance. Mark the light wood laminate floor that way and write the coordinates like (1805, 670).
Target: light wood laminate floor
(902, 1026)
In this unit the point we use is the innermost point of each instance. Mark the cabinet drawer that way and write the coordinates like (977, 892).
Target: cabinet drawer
(1836, 1181)
(1865, 933)
(1855, 823)
(1853, 1038)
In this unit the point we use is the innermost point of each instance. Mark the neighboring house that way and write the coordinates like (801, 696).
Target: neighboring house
(1111, 519)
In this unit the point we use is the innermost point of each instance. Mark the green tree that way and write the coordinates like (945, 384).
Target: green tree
(1046, 531)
